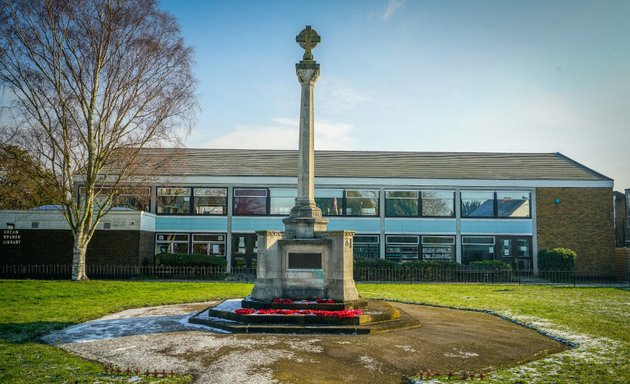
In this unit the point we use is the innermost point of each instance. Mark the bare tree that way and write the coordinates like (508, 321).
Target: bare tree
(93, 82)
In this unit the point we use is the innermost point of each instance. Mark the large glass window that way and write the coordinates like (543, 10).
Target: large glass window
(477, 204)
(173, 201)
(438, 248)
(362, 203)
(282, 200)
(330, 201)
(401, 248)
(250, 201)
(513, 204)
(477, 248)
(438, 203)
(171, 243)
(137, 199)
(401, 203)
(210, 201)
(366, 247)
(125, 198)
(208, 244)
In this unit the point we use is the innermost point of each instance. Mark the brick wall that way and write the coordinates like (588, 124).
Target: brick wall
(55, 247)
(581, 221)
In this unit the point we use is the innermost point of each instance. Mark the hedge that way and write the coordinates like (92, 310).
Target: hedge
(189, 259)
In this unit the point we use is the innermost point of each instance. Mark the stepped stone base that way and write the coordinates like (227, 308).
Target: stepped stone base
(377, 317)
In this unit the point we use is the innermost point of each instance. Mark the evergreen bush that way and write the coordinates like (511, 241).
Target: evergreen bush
(557, 259)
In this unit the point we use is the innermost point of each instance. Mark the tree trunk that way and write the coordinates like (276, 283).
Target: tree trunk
(79, 251)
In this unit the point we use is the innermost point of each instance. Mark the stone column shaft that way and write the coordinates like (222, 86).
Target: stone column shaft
(307, 75)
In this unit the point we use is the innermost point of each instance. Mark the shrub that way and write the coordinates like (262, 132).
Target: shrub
(428, 264)
(561, 259)
(490, 264)
(191, 260)
(376, 263)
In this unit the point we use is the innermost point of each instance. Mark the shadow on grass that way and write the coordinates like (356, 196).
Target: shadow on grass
(20, 333)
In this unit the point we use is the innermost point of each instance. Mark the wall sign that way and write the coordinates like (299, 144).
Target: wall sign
(11, 237)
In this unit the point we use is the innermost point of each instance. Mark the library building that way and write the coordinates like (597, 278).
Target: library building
(402, 206)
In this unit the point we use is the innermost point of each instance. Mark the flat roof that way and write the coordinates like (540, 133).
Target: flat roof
(372, 164)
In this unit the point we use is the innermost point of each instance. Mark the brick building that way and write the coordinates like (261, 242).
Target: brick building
(403, 206)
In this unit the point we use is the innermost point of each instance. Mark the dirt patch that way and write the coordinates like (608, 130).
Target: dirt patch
(160, 338)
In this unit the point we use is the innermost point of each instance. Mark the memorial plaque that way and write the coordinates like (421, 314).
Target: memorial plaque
(305, 261)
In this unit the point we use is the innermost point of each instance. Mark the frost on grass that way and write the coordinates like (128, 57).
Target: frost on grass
(590, 351)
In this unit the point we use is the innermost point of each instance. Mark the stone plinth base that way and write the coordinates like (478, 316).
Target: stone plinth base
(305, 268)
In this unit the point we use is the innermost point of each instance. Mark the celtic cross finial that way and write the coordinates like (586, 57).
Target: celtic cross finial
(308, 39)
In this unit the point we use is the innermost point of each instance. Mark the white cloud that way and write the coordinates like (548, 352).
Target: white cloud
(335, 95)
(392, 7)
(282, 133)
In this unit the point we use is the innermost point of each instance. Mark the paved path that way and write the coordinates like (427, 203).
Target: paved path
(161, 338)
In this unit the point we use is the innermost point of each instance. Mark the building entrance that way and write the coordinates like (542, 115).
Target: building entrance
(244, 250)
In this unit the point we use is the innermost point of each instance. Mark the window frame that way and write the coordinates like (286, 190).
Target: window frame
(157, 201)
(494, 204)
(346, 201)
(529, 204)
(453, 202)
(271, 199)
(363, 243)
(417, 244)
(194, 201)
(220, 242)
(234, 197)
(341, 202)
(451, 245)
(171, 242)
(389, 200)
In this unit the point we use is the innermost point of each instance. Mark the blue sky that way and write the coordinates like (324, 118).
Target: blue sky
(481, 76)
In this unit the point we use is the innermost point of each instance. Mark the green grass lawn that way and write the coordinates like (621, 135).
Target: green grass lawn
(597, 318)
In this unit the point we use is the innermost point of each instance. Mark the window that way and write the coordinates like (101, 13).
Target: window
(401, 203)
(477, 204)
(210, 201)
(171, 243)
(250, 201)
(208, 244)
(174, 201)
(513, 204)
(126, 198)
(282, 200)
(366, 247)
(438, 203)
(401, 248)
(362, 203)
(477, 248)
(330, 201)
(438, 248)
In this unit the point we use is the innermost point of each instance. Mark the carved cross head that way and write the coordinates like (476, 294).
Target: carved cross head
(308, 39)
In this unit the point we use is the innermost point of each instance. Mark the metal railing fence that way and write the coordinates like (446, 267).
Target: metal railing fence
(361, 274)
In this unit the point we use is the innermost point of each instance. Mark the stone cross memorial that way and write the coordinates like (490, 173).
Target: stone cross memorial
(305, 261)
